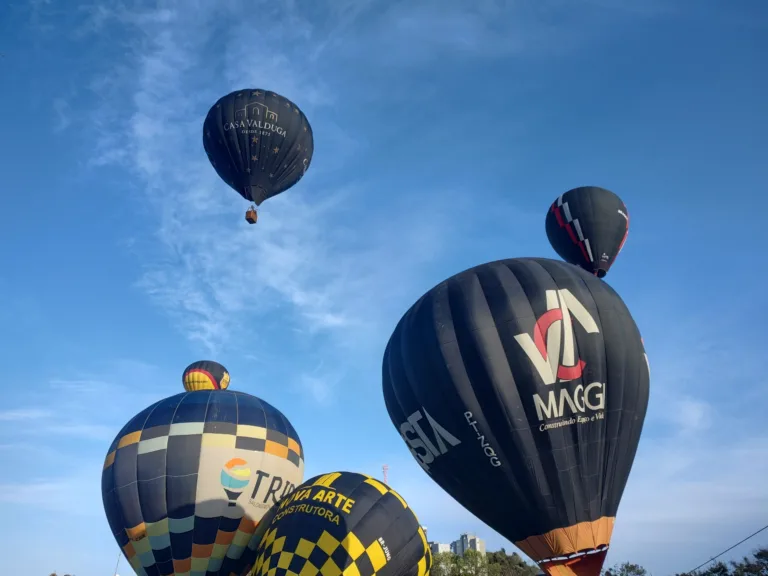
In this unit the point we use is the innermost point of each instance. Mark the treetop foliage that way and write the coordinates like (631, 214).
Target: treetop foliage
(503, 564)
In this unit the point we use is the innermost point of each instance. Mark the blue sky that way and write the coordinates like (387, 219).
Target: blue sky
(443, 131)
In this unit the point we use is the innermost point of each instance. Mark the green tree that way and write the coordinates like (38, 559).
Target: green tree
(626, 569)
(716, 569)
(754, 565)
(502, 564)
(757, 565)
(475, 564)
(447, 564)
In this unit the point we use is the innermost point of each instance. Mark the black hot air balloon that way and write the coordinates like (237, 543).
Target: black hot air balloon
(588, 226)
(521, 386)
(342, 523)
(259, 142)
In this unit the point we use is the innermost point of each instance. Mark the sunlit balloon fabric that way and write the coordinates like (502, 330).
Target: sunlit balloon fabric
(205, 375)
(343, 523)
(587, 226)
(259, 142)
(521, 387)
(187, 480)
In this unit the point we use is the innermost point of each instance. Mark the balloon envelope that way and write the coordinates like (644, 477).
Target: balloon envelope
(588, 226)
(205, 375)
(260, 143)
(343, 523)
(187, 480)
(521, 386)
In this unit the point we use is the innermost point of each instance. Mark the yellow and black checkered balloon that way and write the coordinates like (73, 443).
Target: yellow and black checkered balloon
(342, 523)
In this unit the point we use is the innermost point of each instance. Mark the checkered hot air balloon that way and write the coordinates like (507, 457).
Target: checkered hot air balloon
(342, 523)
(187, 480)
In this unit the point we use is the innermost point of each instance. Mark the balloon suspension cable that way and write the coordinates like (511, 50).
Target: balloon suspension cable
(117, 564)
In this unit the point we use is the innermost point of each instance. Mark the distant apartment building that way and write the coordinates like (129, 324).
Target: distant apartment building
(439, 548)
(468, 541)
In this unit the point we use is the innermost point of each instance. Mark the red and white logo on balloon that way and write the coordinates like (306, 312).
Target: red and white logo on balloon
(551, 349)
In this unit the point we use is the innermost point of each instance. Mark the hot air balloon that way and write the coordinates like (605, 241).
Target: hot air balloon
(205, 375)
(588, 226)
(343, 523)
(260, 143)
(187, 480)
(520, 386)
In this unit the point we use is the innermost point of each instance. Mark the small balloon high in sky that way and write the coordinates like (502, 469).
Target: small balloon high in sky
(587, 226)
(260, 143)
(205, 375)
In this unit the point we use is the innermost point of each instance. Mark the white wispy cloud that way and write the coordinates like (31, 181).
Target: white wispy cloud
(62, 114)
(688, 499)
(325, 269)
(214, 275)
(23, 414)
(330, 271)
(318, 388)
(213, 271)
(81, 386)
(692, 415)
(309, 260)
(51, 426)
(411, 34)
(98, 432)
(89, 407)
(72, 494)
(320, 384)
(58, 434)
(304, 259)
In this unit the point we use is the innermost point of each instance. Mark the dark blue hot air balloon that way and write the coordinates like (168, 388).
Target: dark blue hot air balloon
(187, 480)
